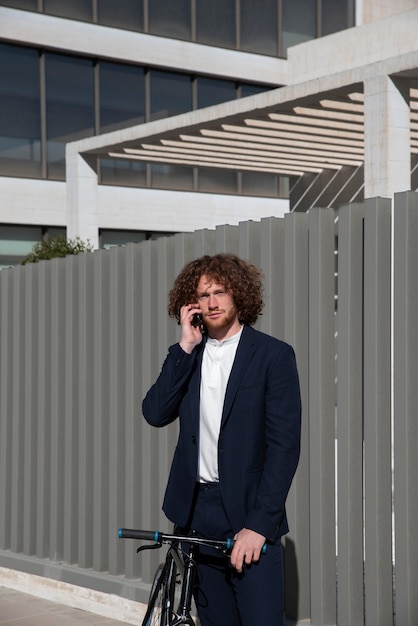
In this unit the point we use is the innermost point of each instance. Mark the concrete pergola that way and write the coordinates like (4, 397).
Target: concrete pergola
(347, 130)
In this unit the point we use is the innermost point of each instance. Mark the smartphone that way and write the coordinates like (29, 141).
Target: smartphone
(197, 321)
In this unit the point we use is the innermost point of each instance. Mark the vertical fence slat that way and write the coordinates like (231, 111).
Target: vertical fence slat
(69, 358)
(6, 468)
(149, 475)
(226, 238)
(100, 412)
(272, 264)
(322, 416)
(377, 413)
(30, 372)
(85, 368)
(55, 369)
(249, 241)
(17, 408)
(43, 413)
(296, 325)
(133, 349)
(350, 416)
(116, 399)
(405, 390)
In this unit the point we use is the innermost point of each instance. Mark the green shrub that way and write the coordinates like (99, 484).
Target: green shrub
(56, 247)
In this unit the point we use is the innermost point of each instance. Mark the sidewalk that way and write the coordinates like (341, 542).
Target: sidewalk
(22, 609)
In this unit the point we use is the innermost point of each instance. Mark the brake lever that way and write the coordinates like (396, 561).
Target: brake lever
(153, 546)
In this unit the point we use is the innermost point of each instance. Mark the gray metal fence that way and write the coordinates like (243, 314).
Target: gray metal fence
(82, 339)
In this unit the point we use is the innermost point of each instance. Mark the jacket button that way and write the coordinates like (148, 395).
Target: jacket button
(193, 439)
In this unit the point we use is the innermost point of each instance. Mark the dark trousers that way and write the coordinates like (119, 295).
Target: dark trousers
(224, 597)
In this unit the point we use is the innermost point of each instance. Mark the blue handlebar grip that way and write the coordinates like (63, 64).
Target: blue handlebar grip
(230, 542)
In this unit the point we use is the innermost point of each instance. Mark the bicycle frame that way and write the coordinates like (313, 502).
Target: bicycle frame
(178, 558)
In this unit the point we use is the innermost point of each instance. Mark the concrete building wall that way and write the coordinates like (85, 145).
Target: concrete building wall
(373, 10)
(354, 48)
(44, 203)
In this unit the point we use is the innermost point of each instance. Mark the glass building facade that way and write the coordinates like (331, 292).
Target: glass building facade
(265, 27)
(49, 98)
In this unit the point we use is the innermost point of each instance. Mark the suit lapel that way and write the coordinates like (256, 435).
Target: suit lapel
(194, 387)
(243, 357)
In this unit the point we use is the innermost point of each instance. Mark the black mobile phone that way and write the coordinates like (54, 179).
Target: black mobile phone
(197, 321)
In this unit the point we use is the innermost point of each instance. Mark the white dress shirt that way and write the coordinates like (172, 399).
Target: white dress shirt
(218, 358)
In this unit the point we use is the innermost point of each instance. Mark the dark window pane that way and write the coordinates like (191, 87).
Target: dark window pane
(70, 110)
(213, 91)
(124, 173)
(122, 99)
(299, 22)
(336, 15)
(260, 184)
(76, 9)
(217, 181)
(170, 94)
(215, 22)
(259, 26)
(111, 238)
(169, 18)
(127, 14)
(18, 240)
(171, 176)
(20, 122)
(252, 90)
(30, 5)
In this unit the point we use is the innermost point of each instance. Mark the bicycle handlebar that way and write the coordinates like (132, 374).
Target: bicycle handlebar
(155, 535)
(133, 533)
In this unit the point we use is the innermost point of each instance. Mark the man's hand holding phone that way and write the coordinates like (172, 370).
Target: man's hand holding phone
(191, 321)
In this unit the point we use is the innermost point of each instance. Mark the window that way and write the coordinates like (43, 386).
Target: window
(29, 5)
(127, 14)
(122, 96)
(217, 181)
(215, 22)
(16, 242)
(260, 184)
(76, 9)
(170, 18)
(336, 15)
(259, 26)
(299, 22)
(170, 94)
(124, 173)
(252, 90)
(20, 121)
(111, 238)
(214, 91)
(70, 108)
(164, 176)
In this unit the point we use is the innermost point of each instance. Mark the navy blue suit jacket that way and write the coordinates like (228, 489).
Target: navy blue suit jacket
(259, 442)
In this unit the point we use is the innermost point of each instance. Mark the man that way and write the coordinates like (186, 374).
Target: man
(236, 393)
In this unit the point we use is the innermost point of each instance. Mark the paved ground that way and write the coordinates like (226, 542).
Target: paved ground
(22, 609)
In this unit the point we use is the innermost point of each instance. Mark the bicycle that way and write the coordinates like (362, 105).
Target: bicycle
(179, 568)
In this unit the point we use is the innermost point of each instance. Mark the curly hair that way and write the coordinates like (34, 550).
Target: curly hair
(241, 279)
